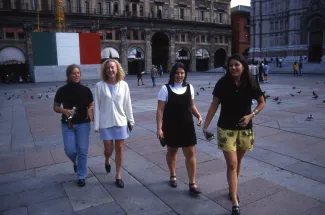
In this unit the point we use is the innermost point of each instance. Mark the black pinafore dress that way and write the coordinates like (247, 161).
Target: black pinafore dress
(178, 125)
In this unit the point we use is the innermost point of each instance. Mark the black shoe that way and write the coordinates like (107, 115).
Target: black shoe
(119, 183)
(75, 168)
(108, 168)
(173, 183)
(81, 182)
(231, 198)
(194, 190)
(235, 210)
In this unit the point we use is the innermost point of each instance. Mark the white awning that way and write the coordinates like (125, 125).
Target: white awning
(135, 54)
(109, 52)
(12, 54)
(202, 54)
(182, 54)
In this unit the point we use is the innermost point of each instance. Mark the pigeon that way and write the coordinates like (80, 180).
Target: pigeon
(299, 92)
(291, 94)
(86, 85)
(92, 84)
(24, 91)
(202, 88)
(197, 93)
(315, 97)
(324, 101)
(309, 118)
(209, 83)
(293, 88)
(5, 93)
(314, 93)
(276, 99)
(39, 96)
(53, 91)
(9, 98)
(264, 92)
(279, 102)
(32, 97)
(208, 86)
(317, 83)
(47, 96)
(267, 96)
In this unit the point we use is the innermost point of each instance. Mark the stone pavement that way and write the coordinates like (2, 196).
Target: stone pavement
(284, 174)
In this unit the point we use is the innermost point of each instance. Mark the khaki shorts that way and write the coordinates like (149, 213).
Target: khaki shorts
(231, 140)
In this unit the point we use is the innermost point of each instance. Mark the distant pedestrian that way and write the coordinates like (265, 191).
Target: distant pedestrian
(153, 75)
(77, 112)
(266, 73)
(113, 114)
(295, 68)
(161, 71)
(300, 67)
(139, 76)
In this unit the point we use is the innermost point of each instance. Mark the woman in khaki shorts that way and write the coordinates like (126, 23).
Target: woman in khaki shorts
(235, 92)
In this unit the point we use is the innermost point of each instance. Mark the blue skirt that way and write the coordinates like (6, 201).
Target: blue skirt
(114, 133)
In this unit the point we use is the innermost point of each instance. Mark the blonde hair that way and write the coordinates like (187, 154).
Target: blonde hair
(120, 72)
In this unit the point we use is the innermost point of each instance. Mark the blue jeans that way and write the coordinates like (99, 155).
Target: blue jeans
(300, 71)
(76, 143)
(153, 81)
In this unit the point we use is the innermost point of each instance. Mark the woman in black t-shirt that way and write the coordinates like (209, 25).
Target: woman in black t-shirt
(235, 92)
(77, 112)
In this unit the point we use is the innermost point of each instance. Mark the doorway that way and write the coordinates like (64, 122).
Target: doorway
(160, 50)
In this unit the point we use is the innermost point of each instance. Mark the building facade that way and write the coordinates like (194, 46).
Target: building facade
(240, 23)
(138, 33)
(290, 29)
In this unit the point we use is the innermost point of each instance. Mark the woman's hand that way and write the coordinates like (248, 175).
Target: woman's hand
(205, 130)
(160, 133)
(200, 120)
(67, 112)
(90, 114)
(243, 122)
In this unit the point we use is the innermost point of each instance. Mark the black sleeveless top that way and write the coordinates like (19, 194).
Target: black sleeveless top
(178, 125)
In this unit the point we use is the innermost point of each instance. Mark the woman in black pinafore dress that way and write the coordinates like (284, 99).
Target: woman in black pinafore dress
(175, 123)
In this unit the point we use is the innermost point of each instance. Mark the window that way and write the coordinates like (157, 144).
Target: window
(181, 13)
(86, 6)
(159, 12)
(220, 18)
(142, 35)
(117, 35)
(182, 37)
(101, 35)
(177, 38)
(99, 8)
(134, 10)
(10, 34)
(166, 13)
(141, 10)
(128, 35)
(135, 35)
(33, 3)
(198, 38)
(188, 38)
(79, 6)
(68, 6)
(203, 39)
(126, 10)
(109, 35)
(1, 33)
(115, 11)
(108, 7)
(202, 15)
(21, 34)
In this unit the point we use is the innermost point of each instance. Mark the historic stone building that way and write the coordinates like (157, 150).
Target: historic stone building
(240, 23)
(290, 28)
(138, 33)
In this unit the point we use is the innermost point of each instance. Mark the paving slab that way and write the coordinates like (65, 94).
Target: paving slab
(16, 176)
(308, 170)
(52, 207)
(34, 158)
(22, 199)
(17, 211)
(90, 195)
(103, 209)
(134, 198)
(284, 202)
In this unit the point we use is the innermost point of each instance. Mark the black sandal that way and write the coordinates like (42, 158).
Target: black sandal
(194, 190)
(173, 183)
(108, 168)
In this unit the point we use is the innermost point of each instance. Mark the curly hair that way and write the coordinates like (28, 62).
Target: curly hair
(120, 72)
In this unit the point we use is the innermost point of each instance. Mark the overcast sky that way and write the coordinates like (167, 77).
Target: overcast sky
(240, 2)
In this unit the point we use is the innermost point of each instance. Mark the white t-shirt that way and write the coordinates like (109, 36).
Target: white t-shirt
(177, 88)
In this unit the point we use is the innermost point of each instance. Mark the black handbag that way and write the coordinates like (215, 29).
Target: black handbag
(162, 142)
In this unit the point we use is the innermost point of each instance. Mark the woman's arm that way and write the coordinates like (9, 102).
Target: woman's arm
(259, 108)
(58, 109)
(159, 117)
(211, 112)
(96, 107)
(90, 111)
(196, 113)
(128, 103)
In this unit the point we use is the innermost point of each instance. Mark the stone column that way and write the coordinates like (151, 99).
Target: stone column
(171, 9)
(193, 16)
(124, 60)
(229, 44)
(28, 29)
(172, 55)
(146, 9)
(212, 49)
(148, 56)
(193, 52)
(211, 11)
(121, 7)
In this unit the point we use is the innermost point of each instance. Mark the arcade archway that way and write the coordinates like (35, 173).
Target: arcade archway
(109, 53)
(202, 60)
(220, 58)
(183, 55)
(13, 65)
(316, 35)
(160, 50)
(135, 60)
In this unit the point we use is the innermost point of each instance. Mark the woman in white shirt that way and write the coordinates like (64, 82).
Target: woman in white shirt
(112, 113)
(175, 125)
